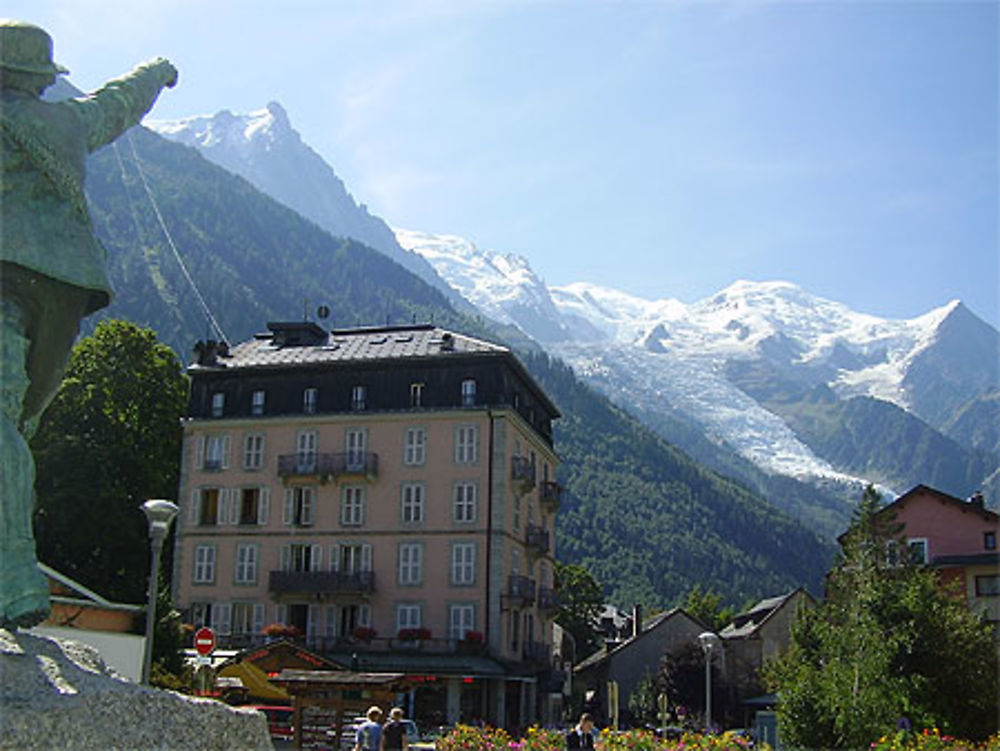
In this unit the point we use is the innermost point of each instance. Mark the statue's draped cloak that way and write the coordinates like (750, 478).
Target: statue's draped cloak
(45, 225)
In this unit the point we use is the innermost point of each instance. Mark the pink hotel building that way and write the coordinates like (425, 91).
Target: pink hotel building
(388, 492)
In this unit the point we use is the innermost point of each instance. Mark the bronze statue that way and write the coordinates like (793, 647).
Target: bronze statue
(52, 267)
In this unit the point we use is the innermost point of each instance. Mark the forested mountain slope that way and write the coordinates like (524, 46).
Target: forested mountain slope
(650, 522)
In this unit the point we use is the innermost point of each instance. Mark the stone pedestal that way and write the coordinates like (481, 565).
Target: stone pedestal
(60, 694)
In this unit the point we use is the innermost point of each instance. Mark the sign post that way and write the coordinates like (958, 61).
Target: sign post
(204, 645)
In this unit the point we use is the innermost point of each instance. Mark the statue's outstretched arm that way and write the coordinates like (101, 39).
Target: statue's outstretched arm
(122, 102)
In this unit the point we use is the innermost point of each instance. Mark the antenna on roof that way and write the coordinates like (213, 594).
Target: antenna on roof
(323, 312)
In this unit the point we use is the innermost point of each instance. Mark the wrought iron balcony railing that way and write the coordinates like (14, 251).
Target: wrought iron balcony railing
(321, 582)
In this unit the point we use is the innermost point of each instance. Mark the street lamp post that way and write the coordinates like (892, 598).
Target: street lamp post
(159, 514)
(709, 642)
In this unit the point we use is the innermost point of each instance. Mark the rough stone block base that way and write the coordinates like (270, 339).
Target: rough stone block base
(60, 694)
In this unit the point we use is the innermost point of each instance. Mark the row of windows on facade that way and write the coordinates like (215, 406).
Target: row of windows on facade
(359, 398)
(330, 621)
(212, 452)
(250, 506)
(344, 557)
(337, 621)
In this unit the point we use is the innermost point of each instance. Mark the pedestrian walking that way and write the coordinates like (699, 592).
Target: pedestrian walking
(394, 732)
(369, 734)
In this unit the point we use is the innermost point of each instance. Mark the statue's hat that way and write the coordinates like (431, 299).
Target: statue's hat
(27, 48)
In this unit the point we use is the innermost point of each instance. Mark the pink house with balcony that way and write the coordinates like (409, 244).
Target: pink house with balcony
(958, 538)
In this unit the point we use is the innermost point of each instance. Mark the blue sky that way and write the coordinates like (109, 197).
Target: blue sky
(663, 148)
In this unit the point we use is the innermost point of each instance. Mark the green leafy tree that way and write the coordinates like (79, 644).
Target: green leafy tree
(888, 642)
(642, 701)
(682, 678)
(110, 440)
(707, 607)
(581, 599)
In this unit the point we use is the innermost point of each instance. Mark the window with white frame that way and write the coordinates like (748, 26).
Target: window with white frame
(917, 547)
(257, 403)
(218, 404)
(209, 506)
(416, 394)
(300, 504)
(468, 392)
(352, 505)
(359, 398)
(204, 564)
(412, 506)
(461, 620)
(246, 562)
(463, 563)
(309, 401)
(201, 614)
(247, 618)
(988, 585)
(411, 562)
(252, 506)
(353, 558)
(301, 556)
(466, 444)
(415, 447)
(305, 450)
(464, 505)
(253, 451)
(357, 446)
(407, 616)
(216, 452)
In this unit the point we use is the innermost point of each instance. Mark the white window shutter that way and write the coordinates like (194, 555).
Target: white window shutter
(308, 503)
(334, 556)
(475, 445)
(193, 512)
(316, 556)
(264, 506)
(289, 513)
(222, 614)
(366, 557)
(220, 507)
(312, 624)
(258, 618)
(225, 451)
(286, 558)
(331, 622)
(234, 505)
(199, 452)
(365, 615)
(281, 614)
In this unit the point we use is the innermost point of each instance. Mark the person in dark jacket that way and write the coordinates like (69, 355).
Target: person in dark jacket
(394, 732)
(582, 736)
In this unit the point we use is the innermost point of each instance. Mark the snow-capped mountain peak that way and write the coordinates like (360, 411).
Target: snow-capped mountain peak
(664, 354)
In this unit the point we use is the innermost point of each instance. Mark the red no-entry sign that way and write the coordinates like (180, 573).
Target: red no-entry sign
(204, 641)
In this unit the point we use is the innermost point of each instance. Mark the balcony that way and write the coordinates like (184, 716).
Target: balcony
(520, 591)
(548, 600)
(550, 495)
(522, 473)
(321, 582)
(325, 466)
(536, 539)
(537, 652)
